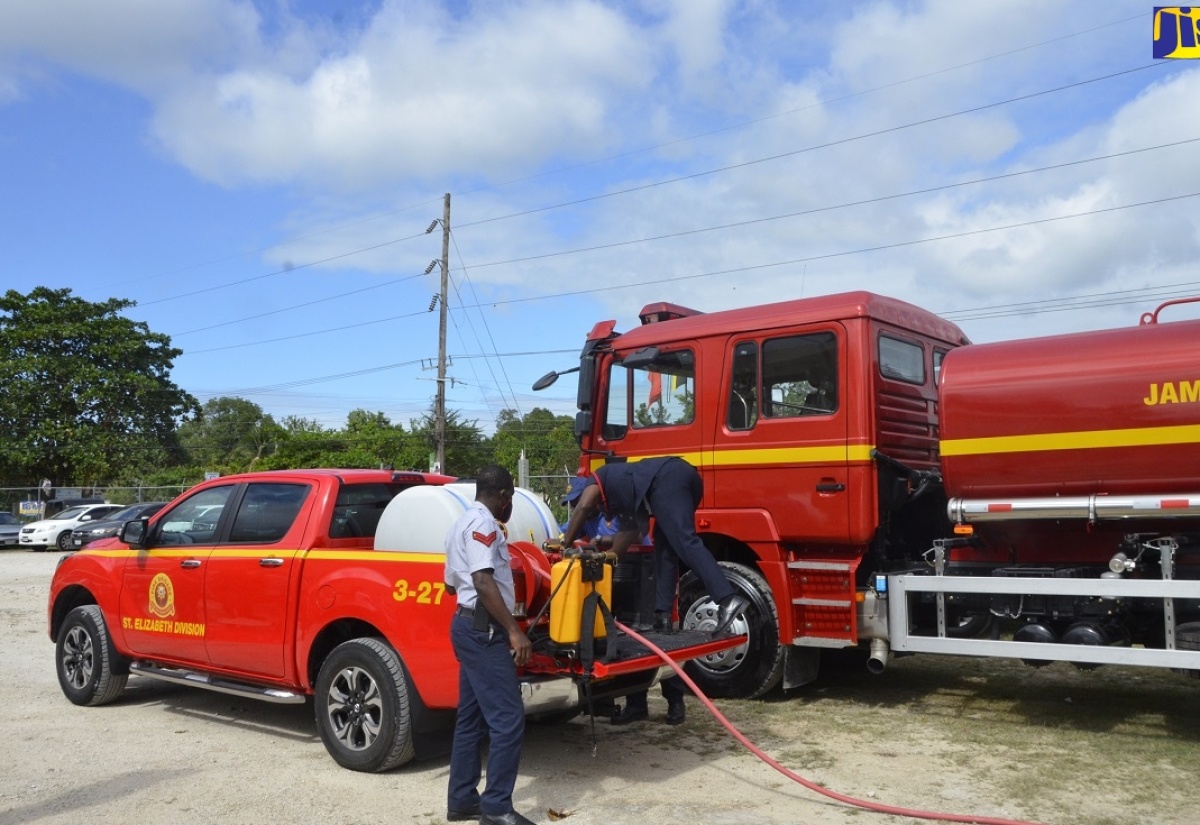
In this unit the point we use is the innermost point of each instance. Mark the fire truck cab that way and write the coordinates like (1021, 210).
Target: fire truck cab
(811, 422)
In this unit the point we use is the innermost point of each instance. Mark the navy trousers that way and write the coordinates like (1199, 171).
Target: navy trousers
(673, 496)
(489, 707)
(673, 690)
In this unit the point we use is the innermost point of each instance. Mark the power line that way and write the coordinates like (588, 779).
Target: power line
(844, 253)
(845, 205)
(814, 147)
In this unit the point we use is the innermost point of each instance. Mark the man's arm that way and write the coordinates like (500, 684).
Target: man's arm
(585, 508)
(491, 600)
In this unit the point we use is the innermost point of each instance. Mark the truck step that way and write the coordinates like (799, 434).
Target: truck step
(208, 681)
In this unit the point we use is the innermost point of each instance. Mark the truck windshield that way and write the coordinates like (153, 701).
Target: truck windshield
(658, 394)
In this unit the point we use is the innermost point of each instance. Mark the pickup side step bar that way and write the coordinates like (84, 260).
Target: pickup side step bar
(209, 682)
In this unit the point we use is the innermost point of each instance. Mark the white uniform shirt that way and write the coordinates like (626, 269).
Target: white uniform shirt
(475, 543)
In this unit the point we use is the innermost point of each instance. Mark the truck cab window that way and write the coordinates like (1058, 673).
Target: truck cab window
(901, 360)
(659, 394)
(743, 390)
(800, 375)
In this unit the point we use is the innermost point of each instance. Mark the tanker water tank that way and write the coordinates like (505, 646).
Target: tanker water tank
(1111, 412)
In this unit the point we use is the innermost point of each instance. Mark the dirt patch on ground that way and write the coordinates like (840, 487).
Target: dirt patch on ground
(1111, 747)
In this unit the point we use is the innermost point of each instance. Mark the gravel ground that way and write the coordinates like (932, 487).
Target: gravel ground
(991, 738)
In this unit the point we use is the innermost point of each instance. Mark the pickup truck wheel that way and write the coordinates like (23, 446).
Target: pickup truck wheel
(362, 707)
(89, 667)
(748, 670)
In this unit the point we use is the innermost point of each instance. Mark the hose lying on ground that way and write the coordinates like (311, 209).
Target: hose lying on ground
(808, 783)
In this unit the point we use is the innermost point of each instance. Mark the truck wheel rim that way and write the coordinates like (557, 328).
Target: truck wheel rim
(702, 615)
(77, 657)
(355, 708)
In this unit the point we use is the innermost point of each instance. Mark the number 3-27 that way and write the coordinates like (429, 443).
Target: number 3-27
(424, 593)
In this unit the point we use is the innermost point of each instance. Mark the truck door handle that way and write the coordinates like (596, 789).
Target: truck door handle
(270, 562)
(830, 487)
(189, 564)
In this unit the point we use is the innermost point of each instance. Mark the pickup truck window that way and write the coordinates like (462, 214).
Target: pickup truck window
(358, 508)
(267, 512)
(194, 521)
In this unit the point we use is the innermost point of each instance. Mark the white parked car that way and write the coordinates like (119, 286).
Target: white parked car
(56, 530)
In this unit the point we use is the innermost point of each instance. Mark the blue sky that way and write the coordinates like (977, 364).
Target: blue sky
(259, 176)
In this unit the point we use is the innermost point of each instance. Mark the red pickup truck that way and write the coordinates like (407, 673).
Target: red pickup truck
(275, 586)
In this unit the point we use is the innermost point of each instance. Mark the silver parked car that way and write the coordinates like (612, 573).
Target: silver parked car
(10, 530)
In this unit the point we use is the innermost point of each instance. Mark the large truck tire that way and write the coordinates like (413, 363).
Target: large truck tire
(749, 670)
(362, 707)
(90, 671)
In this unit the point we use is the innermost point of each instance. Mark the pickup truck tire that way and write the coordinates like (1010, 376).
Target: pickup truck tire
(362, 707)
(747, 671)
(90, 671)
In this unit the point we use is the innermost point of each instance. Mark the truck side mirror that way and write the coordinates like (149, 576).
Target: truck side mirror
(135, 533)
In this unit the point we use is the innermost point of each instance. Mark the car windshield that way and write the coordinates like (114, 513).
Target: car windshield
(69, 513)
(8, 518)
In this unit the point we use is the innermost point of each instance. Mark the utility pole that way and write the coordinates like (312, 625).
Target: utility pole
(440, 410)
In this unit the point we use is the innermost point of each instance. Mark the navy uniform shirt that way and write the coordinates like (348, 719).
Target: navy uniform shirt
(476, 542)
(625, 487)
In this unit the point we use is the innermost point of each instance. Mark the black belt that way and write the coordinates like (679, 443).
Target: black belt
(481, 621)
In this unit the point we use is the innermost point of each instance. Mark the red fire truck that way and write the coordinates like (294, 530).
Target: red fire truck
(871, 480)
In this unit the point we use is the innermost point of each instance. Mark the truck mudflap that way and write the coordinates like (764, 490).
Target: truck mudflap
(621, 655)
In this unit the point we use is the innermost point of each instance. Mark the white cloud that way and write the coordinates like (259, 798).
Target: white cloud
(418, 96)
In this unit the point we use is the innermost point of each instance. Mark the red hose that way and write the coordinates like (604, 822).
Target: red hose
(808, 783)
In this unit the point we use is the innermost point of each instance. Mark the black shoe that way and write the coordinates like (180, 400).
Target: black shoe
(663, 623)
(630, 713)
(510, 818)
(463, 814)
(676, 712)
(730, 608)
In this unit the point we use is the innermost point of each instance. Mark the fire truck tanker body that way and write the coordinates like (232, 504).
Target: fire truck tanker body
(871, 479)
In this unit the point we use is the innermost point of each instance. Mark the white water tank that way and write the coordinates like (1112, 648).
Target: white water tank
(417, 520)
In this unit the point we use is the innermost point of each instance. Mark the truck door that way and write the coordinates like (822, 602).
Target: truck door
(162, 590)
(248, 578)
(781, 438)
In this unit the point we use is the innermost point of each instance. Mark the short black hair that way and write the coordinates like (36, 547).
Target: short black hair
(492, 480)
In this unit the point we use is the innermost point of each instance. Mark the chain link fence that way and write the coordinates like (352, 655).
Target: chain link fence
(33, 503)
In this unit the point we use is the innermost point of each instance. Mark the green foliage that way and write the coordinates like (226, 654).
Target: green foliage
(466, 447)
(230, 435)
(549, 445)
(86, 391)
(87, 400)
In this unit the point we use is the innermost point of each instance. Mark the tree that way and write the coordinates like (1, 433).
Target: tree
(466, 447)
(229, 435)
(372, 440)
(548, 442)
(86, 391)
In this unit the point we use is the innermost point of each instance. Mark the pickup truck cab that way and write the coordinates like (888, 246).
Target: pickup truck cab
(272, 585)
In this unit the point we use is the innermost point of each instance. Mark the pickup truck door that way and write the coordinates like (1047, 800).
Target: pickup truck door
(162, 587)
(249, 576)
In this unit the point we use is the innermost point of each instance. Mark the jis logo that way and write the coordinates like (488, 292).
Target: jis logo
(1177, 32)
